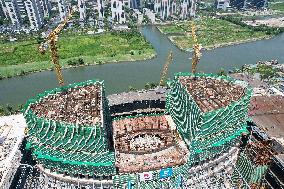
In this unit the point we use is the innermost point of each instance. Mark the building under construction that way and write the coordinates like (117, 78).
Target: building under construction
(187, 135)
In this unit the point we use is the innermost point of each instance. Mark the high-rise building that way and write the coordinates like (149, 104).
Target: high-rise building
(248, 4)
(135, 4)
(3, 9)
(184, 9)
(13, 12)
(117, 11)
(22, 8)
(222, 4)
(35, 13)
(101, 6)
(193, 8)
(63, 9)
(82, 9)
(46, 7)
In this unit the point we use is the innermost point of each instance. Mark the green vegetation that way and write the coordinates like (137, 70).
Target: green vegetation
(277, 6)
(262, 28)
(151, 85)
(222, 72)
(211, 32)
(265, 71)
(10, 110)
(19, 58)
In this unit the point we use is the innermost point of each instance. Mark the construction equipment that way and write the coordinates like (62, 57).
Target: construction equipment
(165, 69)
(51, 41)
(196, 54)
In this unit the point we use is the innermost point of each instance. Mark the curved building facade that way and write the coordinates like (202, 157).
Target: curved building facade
(79, 141)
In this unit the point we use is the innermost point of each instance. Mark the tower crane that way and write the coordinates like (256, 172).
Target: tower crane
(165, 69)
(196, 54)
(51, 42)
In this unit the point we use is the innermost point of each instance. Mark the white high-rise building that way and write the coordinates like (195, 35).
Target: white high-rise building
(117, 11)
(63, 7)
(3, 9)
(82, 9)
(184, 9)
(22, 8)
(46, 7)
(223, 4)
(101, 7)
(193, 8)
(13, 12)
(35, 13)
(166, 8)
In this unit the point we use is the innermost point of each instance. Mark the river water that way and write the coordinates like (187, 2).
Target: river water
(118, 76)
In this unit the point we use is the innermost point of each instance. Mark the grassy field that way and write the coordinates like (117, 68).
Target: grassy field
(278, 6)
(19, 58)
(210, 32)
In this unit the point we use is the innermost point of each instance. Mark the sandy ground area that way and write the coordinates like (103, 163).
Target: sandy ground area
(272, 22)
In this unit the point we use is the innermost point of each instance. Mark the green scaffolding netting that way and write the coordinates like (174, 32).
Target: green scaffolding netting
(67, 147)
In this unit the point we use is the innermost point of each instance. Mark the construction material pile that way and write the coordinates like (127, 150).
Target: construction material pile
(80, 105)
(211, 93)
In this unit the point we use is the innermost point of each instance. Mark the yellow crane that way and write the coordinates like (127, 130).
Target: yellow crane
(196, 54)
(51, 42)
(166, 67)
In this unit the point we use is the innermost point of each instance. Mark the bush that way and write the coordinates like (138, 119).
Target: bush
(130, 88)
(2, 111)
(222, 72)
(150, 85)
(10, 109)
(76, 62)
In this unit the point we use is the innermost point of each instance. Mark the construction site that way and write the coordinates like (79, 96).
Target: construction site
(168, 137)
(193, 131)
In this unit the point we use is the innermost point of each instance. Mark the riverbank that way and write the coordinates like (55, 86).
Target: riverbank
(212, 47)
(211, 33)
(27, 68)
(21, 58)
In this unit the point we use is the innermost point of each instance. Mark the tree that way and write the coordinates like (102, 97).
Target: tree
(2, 111)
(150, 85)
(81, 61)
(131, 88)
(222, 72)
(147, 86)
(20, 107)
(9, 109)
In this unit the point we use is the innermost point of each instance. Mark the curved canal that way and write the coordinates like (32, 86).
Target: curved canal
(118, 76)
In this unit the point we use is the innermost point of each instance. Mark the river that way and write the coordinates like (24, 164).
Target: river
(118, 76)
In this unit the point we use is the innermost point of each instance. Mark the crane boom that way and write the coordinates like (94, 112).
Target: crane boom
(51, 41)
(165, 69)
(196, 54)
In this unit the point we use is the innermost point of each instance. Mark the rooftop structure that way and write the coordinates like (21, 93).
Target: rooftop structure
(210, 93)
(67, 133)
(267, 113)
(81, 105)
(275, 173)
(147, 143)
(130, 103)
(11, 136)
(208, 118)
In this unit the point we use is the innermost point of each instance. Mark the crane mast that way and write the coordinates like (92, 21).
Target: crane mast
(51, 41)
(165, 69)
(196, 54)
